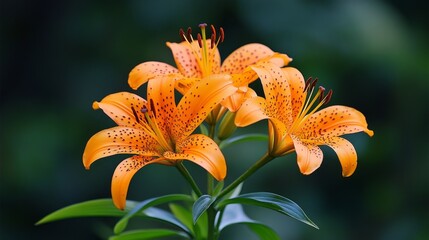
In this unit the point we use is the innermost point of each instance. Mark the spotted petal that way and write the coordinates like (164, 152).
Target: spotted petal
(203, 151)
(248, 55)
(252, 110)
(346, 154)
(119, 107)
(234, 102)
(122, 176)
(335, 121)
(199, 101)
(296, 84)
(149, 70)
(118, 140)
(309, 156)
(277, 91)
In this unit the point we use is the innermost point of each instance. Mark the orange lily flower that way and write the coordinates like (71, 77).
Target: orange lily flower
(158, 131)
(295, 124)
(200, 58)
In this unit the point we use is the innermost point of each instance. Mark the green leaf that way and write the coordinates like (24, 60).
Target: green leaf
(200, 206)
(123, 222)
(148, 234)
(159, 214)
(234, 214)
(243, 138)
(92, 208)
(185, 216)
(271, 201)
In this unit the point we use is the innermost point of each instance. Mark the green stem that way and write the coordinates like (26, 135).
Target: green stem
(185, 173)
(261, 162)
(211, 214)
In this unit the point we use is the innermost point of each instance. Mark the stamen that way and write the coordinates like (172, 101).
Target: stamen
(182, 34)
(328, 96)
(213, 32)
(200, 41)
(307, 83)
(212, 41)
(322, 91)
(222, 34)
(152, 107)
(135, 115)
(189, 34)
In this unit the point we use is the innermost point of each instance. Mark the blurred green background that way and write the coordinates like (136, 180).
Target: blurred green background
(57, 57)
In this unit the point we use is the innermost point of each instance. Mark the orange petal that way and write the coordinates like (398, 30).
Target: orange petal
(346, 154)
(335, 121)
(251, 111)
(296, 84)
(118, 140)
(276, 90)
(234, 102)
(149, 70)
(309, 156)
(119, 107)
(161, 93)
(199, 101)
(203, 151)
(122, 176)
(245, 56)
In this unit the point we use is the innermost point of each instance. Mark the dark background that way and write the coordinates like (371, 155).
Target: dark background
(57, 57)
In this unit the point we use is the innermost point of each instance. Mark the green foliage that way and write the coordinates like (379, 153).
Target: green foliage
(271, 201)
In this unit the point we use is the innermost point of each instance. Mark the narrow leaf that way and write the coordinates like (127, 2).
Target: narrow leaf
(122, 223)
(92, 208)
(200, 206)
(243, 138)
(271, 201)
(148, 234)
(233, 214)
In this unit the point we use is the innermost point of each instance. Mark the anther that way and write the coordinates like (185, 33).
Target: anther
(182, 34)
(213, 31)
(307, 83)
(200, 41)
(322, 91)
(152, 107)
(313, 83)
(212, 42)
(135, 115)
(189, 33)
(222, 34)
(328, 96)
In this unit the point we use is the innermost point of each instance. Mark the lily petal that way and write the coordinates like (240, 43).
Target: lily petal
(119, 107)
(251, 111)
(277, 91)
(199, 101)
(245, 56)
(309, 156)
(118, 140)
(296, 84)
(335, 121)
(161, 93)
(149, 70)
(203, 151)
(346, 154)
(234, 102)
(122, 176)
(189, 55)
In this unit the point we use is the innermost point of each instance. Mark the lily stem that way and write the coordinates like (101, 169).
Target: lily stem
(185, 173)
(261, 162)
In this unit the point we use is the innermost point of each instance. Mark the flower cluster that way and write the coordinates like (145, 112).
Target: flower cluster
(216, 98)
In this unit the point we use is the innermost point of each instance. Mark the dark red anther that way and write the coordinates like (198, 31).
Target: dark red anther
(152, 107)
(313, 83)
(200, 41)
(182, 34)
(222, 34)
(213, 31)
(135, 115)
(328, 96)
(189, 33)
(322, 91)
(212, 42)
(307, 83)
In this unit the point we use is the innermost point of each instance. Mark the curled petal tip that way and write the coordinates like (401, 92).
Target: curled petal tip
(369, 132)
(95, 105)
